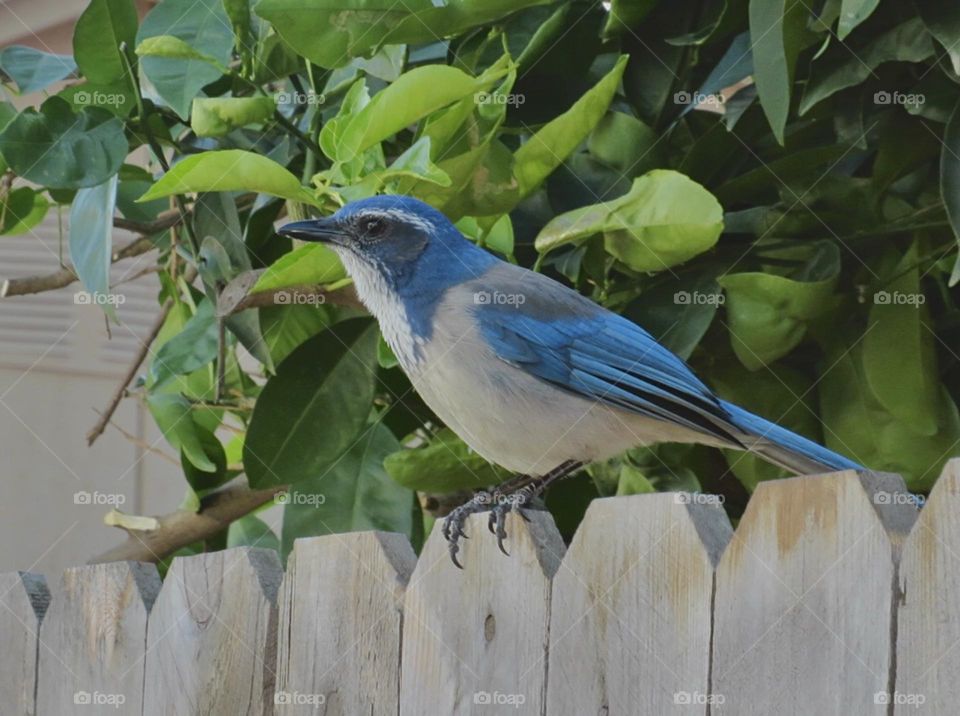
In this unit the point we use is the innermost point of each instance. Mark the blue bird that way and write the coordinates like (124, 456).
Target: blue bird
(533, 376)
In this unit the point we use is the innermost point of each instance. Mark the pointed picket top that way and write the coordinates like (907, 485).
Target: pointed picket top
(211, 642)
(631, 611)
(804, 596)
(341, 615)
(93, 638)
(928, 625)
(24, 599)
(477, 637)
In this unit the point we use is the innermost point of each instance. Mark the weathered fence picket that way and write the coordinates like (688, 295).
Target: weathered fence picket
(831, 597)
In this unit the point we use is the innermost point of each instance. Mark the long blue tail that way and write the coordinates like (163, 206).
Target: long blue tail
(784, 448)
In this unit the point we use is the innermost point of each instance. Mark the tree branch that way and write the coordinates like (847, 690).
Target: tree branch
(170, 532)
(67, 275)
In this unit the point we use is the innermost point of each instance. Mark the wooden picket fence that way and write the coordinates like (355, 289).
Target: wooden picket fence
(835, 595)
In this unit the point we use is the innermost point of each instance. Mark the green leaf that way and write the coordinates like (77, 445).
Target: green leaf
(230, 170)
(852, 13)
(176, 79)
(678, 314)
(632, 481)
(898, 349)
(57, 148)
(314, 408)
(769, 313)
(217, 116)
(624, 143)
(557, 139)
(34, 70)
(251, 531)
(174, 416)
(97, 36)
(415, 162)
(836, 70)
(445, 464)
(202, 481)
(950, 181)
(308, 265)
(191, 349)
(943, 21)
(625, 15)
(777, 32)
(354, 494)
(331, 32)
(21, 210)
(665, 219)
(286, 327)
(412, 97)
(91, 239)
(175, 49)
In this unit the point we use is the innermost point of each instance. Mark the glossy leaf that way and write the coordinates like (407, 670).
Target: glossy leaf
(191, 349)
(21, 210)
(100, 31)
(445, 464)
(308, 265)
(174, 416)
(57, 148)
(315, 408)
(664, 219)
(215, 117)
(625, 15)
(286, 327)
(34, 70)
(175, 79)
(777, 31)
(229, 170)
(251, 531)
(852, 13)
(354, 494)
(548, 147)
(950, 182)
(91, 236)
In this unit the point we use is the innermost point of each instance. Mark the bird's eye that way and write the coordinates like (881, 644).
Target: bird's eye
(374, 226)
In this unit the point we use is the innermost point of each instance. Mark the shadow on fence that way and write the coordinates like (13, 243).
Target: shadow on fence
(833, 596)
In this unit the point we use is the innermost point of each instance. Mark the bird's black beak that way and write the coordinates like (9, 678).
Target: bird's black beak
(321, 230)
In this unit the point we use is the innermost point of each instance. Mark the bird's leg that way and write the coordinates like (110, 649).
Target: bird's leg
(514, 494)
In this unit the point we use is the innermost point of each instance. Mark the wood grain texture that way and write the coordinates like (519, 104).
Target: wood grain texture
(928, 627)
(631, 611)
(212, 635)
(24, 599)
(341, 615)
(474, 641)
(804, 606)
(93, 639)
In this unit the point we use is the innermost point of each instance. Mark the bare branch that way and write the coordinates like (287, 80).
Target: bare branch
(183, 527)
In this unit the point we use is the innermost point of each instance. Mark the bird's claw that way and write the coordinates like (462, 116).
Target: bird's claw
(498, 504)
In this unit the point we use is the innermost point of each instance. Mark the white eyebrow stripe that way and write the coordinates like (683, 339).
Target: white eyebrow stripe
(404, 216)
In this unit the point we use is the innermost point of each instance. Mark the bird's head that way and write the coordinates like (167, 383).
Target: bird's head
(395, 243)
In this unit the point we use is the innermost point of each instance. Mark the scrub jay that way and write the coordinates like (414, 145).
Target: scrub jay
(532, 375)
